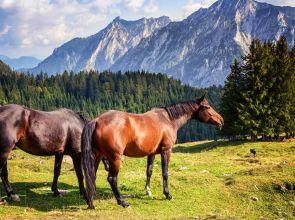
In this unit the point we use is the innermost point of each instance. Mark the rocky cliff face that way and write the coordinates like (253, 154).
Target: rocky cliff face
(200, 49)
(101, 50)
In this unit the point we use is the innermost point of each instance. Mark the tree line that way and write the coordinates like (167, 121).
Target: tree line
(95, 92)
(258, 98)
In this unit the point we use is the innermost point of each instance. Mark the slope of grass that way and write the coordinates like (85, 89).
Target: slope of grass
(208, 180)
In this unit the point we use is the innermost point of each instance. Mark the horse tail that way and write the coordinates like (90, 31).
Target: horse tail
(88, 161)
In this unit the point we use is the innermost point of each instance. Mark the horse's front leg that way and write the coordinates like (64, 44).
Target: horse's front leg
(7, 186)
(149, 172)
(6, 145)
(165, 157)
(57, 167)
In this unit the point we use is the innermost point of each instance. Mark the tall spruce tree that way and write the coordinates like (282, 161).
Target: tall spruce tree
(231, 101)
(267, 123)
(253, 93)
(291, 127)
(281, 90)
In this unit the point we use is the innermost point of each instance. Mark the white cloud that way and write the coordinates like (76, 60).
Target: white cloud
(46, 24)
(151, 7)
(133, 5)
(5, 30)
(193, 5)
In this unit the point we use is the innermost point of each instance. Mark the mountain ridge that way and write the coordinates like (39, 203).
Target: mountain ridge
(99, 51)
(22, 62)
(197, 50)
(208, 40)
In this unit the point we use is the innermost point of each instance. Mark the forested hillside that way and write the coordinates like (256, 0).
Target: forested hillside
(93, 93)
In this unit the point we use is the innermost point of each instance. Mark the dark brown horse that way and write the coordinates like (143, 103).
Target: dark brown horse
(114, 134)
(40, 133)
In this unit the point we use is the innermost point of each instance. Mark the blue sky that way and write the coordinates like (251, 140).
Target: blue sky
(36, 27)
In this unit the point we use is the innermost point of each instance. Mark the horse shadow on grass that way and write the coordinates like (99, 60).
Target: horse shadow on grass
(38, 196)
(207, 146)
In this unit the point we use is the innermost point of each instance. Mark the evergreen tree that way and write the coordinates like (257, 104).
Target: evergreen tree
(253, 93)
(231, 101)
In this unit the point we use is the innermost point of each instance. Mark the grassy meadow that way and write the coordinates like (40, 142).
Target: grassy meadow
(208, 180)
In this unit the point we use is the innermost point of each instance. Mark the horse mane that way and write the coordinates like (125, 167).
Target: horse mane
(78, 114)
(82, 116)
(177, 110)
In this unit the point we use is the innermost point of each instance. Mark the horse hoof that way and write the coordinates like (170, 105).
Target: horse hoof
(91, 207)
(126, 205)
(56, 194)
(169, 197)
(3, 202)
(14, 198)
(149, 193)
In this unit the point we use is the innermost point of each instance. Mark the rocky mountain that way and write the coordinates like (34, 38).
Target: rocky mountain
(23, 62)
(200, 49)
(197, 50)
(100, 50)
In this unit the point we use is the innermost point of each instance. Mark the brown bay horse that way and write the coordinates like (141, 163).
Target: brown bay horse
(41, 133)
(115, 133)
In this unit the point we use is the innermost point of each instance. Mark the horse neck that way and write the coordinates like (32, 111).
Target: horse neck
(182, 120)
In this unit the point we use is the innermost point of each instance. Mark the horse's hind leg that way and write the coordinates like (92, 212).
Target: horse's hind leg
(113, 180)
(77, 160)
(149, 172)
(7, 186)
(57, 167)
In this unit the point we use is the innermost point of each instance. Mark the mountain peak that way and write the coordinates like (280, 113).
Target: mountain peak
(234, 3)
(118, 18)
(198, 50)
(242, 2)
(102, 49)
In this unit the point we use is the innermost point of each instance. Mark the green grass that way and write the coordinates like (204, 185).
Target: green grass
(209, 180)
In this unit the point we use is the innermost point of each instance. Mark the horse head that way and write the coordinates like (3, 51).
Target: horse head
(207, 113)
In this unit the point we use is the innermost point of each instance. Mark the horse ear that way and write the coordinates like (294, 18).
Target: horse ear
(202, 98)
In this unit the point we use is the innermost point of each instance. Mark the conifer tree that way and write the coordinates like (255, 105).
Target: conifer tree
(282, 88)
(231, 101)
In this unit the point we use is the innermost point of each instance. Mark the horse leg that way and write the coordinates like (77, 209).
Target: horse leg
(2, 162)
(57, 167)
(113, 181)
(6, 145)
(77, 160)
(165, 157)
(7, 186)
(149, 172)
